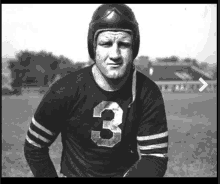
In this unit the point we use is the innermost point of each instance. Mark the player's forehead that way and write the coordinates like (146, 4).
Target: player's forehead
(114, 35)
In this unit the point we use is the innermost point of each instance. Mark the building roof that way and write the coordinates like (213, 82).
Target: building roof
(175, 71)
(170, 64)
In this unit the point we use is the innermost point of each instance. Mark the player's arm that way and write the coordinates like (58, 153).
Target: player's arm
(43, 130)
(152, 139)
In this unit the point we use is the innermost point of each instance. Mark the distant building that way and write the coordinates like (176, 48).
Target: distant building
(168, 71)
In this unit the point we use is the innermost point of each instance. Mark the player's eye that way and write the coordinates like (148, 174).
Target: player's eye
(124, 45)
(105, 44)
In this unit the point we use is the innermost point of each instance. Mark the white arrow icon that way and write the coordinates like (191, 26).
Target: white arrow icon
(204, 84)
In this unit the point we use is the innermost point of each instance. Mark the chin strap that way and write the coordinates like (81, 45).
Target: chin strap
(133, 87)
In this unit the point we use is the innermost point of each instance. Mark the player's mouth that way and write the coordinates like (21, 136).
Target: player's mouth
(115, 65)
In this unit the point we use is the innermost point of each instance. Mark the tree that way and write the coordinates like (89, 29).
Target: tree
(5, 80)
(17, 73)
(215, 75)
(67, 66)
(160, 59)
(187, 60)
(173, 59)
(39, 68)
(195, 63)
(192, 61)
(203, 66)
(31, 68)
(213, 70)
(47, 64)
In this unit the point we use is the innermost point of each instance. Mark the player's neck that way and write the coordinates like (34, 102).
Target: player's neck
(105, 83)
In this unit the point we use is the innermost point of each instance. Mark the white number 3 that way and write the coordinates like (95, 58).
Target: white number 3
(112, 125)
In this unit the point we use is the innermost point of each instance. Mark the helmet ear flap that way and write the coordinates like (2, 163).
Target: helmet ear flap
(113, 17)
(90, 41)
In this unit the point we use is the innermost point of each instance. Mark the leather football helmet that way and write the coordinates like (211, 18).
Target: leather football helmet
(113, 17)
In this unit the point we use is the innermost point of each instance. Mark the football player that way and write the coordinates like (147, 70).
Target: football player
(111, 117)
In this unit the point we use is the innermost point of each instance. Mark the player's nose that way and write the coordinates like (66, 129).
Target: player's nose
(115, 53)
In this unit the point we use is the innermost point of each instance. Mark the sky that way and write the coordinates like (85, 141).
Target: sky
(183, 30)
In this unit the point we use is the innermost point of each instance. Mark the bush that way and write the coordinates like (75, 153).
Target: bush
(6, 91)
(11, 91)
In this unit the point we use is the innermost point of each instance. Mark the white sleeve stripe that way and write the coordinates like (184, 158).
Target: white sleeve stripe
(32, 142)
(126, 173)
(155, 154)
(153, 146)
(38, 136)
(150, 137)
(41, 127)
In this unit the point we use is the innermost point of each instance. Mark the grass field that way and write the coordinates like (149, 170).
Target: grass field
(192, 124)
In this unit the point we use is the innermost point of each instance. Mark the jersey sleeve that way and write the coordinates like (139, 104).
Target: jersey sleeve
(46, 122)
(152, 137)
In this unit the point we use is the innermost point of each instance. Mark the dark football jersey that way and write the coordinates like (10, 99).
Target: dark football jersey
(103, 133)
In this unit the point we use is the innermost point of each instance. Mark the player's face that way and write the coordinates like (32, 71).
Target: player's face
(114, 53)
